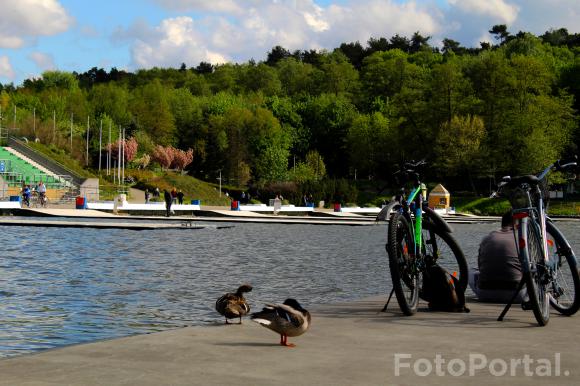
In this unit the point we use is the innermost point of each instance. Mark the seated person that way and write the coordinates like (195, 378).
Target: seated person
(26, 195)
(499, 272)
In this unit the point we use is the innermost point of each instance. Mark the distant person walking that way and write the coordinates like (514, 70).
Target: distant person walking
(174, 195)
(180, 197)
(147, 196)
(168, 202)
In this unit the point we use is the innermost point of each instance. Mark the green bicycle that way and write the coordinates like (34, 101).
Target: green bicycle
(418, 238)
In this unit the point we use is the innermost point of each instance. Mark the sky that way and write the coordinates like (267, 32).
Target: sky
(76, 35)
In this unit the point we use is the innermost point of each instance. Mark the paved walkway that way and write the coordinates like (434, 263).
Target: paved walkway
(348, 344)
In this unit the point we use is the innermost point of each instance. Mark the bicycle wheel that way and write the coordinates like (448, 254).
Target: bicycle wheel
(405, 276)
(534, 269)
(565, 289)
(442, 248)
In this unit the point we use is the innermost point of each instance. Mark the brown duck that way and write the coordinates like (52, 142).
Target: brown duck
(287, 319)
(234, 305)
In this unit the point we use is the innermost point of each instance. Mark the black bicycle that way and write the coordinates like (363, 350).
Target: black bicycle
(418, 238)
(549, 266)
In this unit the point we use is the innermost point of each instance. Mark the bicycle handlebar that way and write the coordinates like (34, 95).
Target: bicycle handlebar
(559, 165)
(409, 169)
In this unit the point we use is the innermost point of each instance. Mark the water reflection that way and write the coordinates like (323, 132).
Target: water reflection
(66, 286)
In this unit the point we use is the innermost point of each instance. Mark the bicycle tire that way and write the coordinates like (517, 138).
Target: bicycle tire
(533, 269)
(442, 247)
(405, 277)
(565, 294)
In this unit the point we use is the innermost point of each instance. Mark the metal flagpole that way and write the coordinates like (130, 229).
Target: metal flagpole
(123, 158)
(100, 145)
(109, 155)
(53, 125)
(87, 163)
(119, 157)
(71, 129)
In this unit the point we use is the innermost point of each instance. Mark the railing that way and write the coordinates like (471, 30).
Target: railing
(104, 192)
(40, 158)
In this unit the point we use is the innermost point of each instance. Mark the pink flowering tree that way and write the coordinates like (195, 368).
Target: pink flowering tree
(163, 155)
(182, 158)
(131, 146)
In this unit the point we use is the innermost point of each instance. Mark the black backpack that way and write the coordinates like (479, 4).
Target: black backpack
(440, 289)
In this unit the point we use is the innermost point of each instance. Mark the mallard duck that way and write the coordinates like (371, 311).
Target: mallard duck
(234, 305)
(287, 319)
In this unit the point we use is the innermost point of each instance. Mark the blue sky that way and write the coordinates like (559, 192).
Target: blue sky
(75, 35)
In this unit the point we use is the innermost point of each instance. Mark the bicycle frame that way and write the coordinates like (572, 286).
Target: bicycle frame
(534, 211)
(537, 212)
(417, 198)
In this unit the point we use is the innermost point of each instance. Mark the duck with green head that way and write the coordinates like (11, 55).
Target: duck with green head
(287, 319)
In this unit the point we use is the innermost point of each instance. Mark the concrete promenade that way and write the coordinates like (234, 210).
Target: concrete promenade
(348, 344)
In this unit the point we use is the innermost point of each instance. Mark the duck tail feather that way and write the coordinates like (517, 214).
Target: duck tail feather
(262, 321)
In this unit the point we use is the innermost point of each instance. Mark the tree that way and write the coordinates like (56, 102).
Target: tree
(400, 42)
(328, 117)
(150, 106)
(556, 37)
(204, 68)
(450, 45)
(501, 33)
(451, 93)
(260, 78)
(295, 77)
(181, 159)
(354, 52)
(311, 170)
(370, 144)
(163, 156)
(337, 74)
(377, 45)
(128, 148)
(276, 54)
(458, 146)
(419, 42)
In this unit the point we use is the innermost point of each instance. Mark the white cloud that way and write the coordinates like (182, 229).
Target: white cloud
(173, 42)
(501, 10)
(538, 16)
(6, 70)
(242, 30)
(43, 61)
(228, 30)
(24, 19)
(469, 21)
(220, 6)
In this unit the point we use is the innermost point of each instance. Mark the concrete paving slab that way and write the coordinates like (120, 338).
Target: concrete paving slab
(348, 344)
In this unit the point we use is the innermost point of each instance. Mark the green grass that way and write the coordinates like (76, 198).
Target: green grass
(62, 158)
(496, 207)
(564, 208)
(190, 186)
(480, 205)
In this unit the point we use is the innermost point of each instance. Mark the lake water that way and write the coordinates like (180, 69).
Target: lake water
(62, 286)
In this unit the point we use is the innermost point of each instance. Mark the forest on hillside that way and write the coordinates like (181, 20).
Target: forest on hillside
(353, 112)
